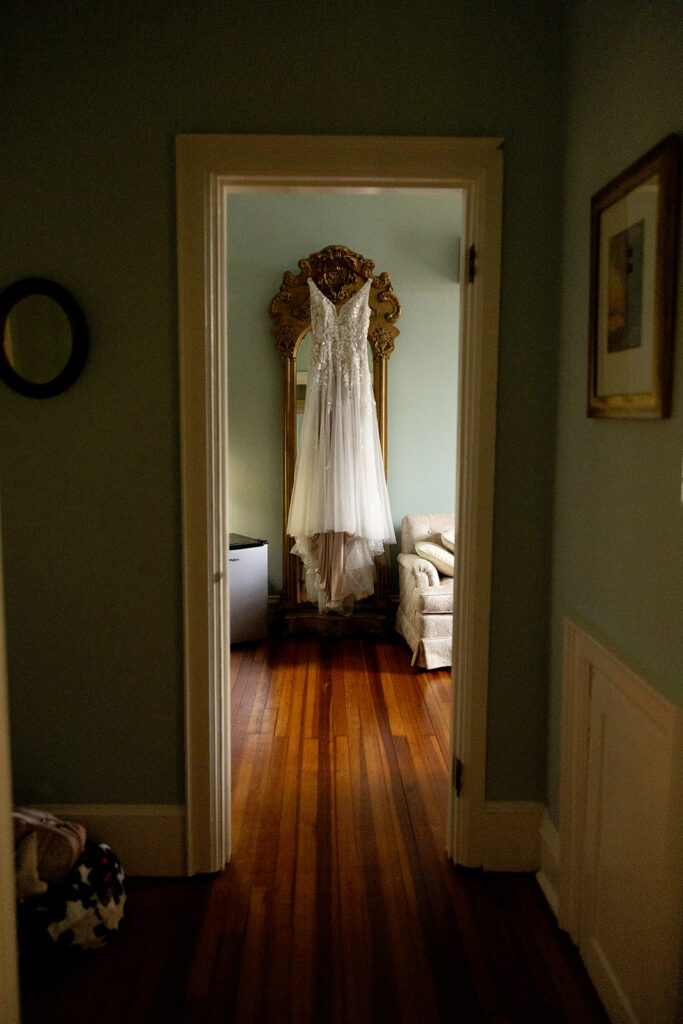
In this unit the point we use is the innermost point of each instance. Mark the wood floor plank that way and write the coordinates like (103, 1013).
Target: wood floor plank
(338, 700)
(305, 994)
(240, 678)
(250, 989)
(280, 925)
(392, 687)
(286, 691)
(439, 710)
(406, 688)
(251, 678)
(352, 906)
(396, 881)
(244, 767)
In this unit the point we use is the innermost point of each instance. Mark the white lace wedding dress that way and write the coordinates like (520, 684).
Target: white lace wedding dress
(339, 513)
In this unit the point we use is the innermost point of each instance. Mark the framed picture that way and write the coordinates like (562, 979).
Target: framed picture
(634, 243)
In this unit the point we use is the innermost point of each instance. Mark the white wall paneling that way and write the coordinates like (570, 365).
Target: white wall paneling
(620, 832)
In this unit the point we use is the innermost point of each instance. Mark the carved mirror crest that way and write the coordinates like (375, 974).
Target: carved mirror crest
(338, 272)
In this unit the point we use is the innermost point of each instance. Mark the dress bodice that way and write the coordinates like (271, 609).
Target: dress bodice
(339, 337)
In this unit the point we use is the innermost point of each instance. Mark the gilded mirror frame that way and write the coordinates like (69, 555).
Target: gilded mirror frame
(338, 272)
(75, 362)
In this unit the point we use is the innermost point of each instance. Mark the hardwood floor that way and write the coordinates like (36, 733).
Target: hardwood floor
(339, 904)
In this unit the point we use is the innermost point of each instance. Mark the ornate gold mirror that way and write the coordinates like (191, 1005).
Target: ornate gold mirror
(338, 273)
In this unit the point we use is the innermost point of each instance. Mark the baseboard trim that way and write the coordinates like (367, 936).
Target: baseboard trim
(511, 835)
(549, 874)
(148, 839)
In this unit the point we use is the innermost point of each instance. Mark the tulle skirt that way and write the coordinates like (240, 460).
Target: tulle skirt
(339, 513)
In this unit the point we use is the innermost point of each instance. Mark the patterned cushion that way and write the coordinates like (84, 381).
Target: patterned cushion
(444, 560)
(448, 540)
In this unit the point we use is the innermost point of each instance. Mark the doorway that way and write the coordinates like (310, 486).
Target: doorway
(209, 168)
(414, 236)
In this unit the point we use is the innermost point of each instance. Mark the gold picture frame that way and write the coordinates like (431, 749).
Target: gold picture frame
(634, 245)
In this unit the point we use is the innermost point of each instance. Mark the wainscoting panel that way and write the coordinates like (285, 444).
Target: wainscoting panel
(149, 839)
(620, 834)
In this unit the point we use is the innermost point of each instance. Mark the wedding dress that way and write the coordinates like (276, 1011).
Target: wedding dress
(339, 513)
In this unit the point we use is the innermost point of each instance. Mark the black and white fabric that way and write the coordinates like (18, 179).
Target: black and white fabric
(82, 913)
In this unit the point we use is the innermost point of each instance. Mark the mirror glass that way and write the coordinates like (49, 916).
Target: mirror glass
(303, 358)
(37, 339)
(43, 338)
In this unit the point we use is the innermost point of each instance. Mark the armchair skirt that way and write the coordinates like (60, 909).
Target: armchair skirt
(425, 612)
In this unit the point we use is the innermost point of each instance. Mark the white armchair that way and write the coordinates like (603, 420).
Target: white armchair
(425, 578)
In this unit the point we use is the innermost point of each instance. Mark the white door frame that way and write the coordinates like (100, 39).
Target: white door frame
(209, 168)
(9, 978)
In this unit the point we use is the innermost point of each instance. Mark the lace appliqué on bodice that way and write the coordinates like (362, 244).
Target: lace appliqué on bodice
(340, 343)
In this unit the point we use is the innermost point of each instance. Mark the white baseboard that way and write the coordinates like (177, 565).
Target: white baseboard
(549, 873)
(511, 838)
(148, 839)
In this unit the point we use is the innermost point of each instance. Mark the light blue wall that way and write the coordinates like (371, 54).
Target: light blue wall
(414, 238)
(618, 524)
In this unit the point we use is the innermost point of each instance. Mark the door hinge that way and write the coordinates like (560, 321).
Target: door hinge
(456, 780)
(471, 264)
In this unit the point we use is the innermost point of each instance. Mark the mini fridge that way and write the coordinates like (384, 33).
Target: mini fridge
(248, 575)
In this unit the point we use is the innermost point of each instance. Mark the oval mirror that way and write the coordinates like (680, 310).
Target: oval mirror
(44, 338)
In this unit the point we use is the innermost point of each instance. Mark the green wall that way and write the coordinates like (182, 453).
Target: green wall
(93, 95)
(414, 238)
(618, 526)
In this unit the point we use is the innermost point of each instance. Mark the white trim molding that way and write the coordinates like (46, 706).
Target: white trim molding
(9, 974)
(510, 835)
(148, 839)
(209, 168)
(549, 873)
(477, 376)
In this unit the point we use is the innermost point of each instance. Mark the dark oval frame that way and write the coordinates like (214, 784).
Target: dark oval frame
(79, 337)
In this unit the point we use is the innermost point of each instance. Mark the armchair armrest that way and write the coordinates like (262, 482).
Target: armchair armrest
(424, 572)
